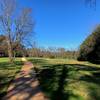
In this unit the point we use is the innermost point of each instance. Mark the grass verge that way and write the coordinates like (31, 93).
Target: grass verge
(7, 73)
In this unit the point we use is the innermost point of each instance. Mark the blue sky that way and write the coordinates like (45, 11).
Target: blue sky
(62, 23)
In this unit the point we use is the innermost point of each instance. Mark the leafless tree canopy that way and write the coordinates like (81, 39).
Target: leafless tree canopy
(24, 24)
(16, 27)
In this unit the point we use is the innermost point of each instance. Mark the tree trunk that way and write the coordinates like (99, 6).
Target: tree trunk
(10, 52)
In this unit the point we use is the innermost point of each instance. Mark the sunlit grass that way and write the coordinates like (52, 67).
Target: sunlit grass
(7, 73)
(81, 83)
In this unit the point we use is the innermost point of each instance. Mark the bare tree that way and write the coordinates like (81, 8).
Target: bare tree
(24, 26)
(16, 27)
(7, 8)
(32, 47)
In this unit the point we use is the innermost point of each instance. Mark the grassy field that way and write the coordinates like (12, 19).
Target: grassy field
(60, 79)
(7, 73)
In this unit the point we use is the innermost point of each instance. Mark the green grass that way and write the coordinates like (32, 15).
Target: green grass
(7, 73)
(64, 79)
(60, 79)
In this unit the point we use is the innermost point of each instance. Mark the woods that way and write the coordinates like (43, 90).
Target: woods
(35, 51)
(90, 48)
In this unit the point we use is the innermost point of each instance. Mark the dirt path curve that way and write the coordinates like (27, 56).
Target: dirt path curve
(25, 86)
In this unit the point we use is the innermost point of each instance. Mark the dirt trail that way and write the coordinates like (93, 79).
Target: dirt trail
(25, 86)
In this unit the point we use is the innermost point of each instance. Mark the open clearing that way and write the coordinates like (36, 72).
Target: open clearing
(60, 79)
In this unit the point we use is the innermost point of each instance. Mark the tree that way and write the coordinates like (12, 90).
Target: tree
(16, 47)
(7, 8)
(3, 46)
(24, 27)
(16, 27)
(90, 48)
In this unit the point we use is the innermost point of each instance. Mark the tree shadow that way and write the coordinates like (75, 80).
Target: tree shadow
(85, 67)
(94, 79)
(54, 78)
(9, 66)
(59, 94)
(25, 87)
(7, 74)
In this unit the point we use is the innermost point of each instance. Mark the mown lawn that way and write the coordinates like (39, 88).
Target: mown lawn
(64, 79)
(7, 73)
(60, 79)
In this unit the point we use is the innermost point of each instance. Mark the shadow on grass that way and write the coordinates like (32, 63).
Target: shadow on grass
(4, 83)
(59, 94)
(7, 74)
(55, 78)
(9, 66)
(23, 88)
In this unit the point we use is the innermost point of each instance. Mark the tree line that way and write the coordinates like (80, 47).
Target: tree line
(51, 52)
(90, 48)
